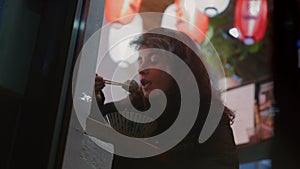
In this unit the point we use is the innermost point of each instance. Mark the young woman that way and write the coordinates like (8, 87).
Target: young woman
(158, 50)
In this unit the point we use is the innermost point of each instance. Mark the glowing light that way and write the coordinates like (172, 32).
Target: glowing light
(212, 7)
(191, 21)
(250, 18)
(119, 40)
(234, 32)
(169, 17)
(121, 11)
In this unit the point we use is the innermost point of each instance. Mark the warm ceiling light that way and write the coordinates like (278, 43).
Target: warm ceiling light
(121, 11)
(119, 41)
(191, 21)
(169, 17)
(212, 7)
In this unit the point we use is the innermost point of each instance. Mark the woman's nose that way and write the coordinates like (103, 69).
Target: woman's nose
(142, 69)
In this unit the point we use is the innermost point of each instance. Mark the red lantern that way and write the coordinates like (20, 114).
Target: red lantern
(191, 21)
(121, 11)
(250, 19)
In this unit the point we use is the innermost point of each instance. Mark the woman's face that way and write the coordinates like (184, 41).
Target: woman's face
(151, 74)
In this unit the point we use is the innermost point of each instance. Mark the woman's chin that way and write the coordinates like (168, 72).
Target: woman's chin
(156, 93)
(146, 94)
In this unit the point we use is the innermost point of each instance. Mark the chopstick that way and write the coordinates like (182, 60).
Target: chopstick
(115, 83)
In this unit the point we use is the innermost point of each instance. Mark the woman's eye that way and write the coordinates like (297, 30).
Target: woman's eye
(139, 60)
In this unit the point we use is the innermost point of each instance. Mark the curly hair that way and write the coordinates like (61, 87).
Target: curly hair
(185, 48)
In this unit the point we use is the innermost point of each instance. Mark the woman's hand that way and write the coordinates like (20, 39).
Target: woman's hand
(131, 86)
(99, 85)
(136, 96)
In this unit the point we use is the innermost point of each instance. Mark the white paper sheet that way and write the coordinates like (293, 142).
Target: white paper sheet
(241, 101)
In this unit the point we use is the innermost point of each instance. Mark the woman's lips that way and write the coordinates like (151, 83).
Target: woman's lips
(145, 84)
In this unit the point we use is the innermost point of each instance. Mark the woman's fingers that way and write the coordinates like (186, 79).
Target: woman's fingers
(99, 85)
(131, 86)
(99, 82)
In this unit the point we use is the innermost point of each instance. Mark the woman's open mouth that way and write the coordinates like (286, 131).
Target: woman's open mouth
(145, 83)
